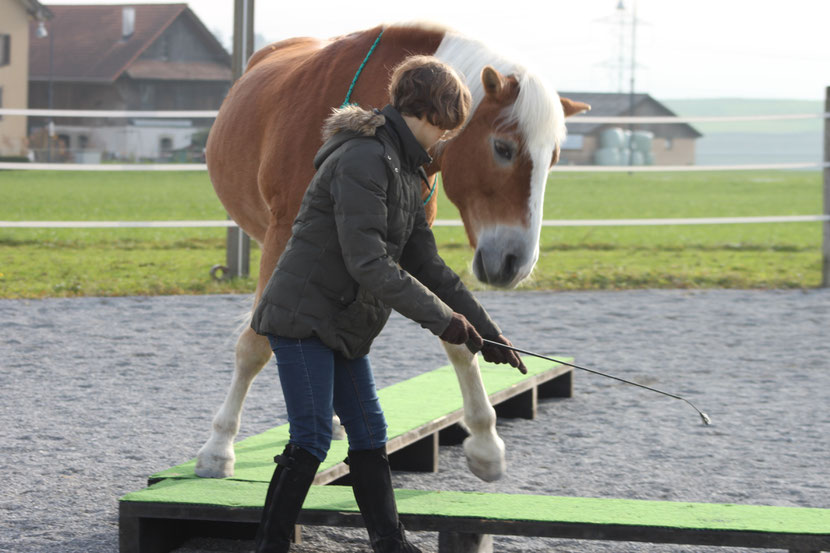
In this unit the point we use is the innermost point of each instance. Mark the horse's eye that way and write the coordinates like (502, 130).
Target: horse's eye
(503, 149)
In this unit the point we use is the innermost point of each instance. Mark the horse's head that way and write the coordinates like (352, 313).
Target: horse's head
(495, 169)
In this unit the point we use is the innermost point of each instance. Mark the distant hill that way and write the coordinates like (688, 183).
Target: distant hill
(743, 106)
(746, 142)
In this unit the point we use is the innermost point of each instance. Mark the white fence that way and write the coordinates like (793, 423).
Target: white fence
(237, 242)
(209, 114)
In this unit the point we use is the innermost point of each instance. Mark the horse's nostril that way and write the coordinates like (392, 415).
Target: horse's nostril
(509, 268)
(478, 267)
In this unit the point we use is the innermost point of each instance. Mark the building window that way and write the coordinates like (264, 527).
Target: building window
(669, 144)
(147, 94)
(1, 101)
(165, 47)
(83, 142)
(5, 49)
(65, 140)
(166, 147)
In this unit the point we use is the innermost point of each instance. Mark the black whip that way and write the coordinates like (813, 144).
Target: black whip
(703, 416)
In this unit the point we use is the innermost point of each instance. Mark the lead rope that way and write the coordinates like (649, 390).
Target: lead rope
(432, 189)
(347, 101)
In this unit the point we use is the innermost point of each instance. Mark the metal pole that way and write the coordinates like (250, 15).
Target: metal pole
(825, 243)
(50, 129)
(238, 252)
(633, 71)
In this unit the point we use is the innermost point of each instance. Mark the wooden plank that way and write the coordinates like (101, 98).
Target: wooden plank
(144, 515)
(453, 435)
(416, 429)
(410, 417)
(560, 387)
(521, 406)
(517, 514)
(421, 456)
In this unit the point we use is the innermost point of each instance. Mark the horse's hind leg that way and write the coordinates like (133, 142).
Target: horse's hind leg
(483, 447)
(216, 458)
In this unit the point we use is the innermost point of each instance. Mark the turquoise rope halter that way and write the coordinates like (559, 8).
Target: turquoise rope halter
(347, 101)
(432, 188)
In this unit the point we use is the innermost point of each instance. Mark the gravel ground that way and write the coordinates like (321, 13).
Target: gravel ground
(98, 393)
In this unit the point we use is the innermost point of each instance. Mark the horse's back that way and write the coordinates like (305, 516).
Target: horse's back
(262, 144)
(238, 143)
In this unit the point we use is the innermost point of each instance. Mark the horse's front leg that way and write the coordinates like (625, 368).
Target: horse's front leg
(483, 447)
(216, 458)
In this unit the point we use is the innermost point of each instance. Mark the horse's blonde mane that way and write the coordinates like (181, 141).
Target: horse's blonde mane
(537, 110)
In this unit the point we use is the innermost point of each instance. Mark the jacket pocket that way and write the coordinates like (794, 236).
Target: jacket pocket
(360, 322)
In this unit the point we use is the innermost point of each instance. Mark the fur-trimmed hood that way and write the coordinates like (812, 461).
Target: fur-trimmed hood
(353, 121)
(344, 124)
(352, 118)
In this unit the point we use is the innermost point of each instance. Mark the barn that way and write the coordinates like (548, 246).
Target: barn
(116, 57)
(670, 144)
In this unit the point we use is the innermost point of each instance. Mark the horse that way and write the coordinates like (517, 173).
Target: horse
(259, 156)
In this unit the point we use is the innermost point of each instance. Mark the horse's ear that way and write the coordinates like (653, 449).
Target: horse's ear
(492, 80)
(573, 107)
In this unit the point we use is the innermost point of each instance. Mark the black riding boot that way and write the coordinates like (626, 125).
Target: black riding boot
(372, 486)
(292, 478)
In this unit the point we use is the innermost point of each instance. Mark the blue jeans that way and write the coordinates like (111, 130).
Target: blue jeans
(317, 382)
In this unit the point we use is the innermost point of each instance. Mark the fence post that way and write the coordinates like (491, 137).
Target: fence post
(825, 242)
(238, 248)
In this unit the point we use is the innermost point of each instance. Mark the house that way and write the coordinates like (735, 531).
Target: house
(125, 57)
(594, 143)
(15, 17)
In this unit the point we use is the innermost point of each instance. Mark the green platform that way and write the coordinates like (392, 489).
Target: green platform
(179, 505)
(421, 412)
(153, 519)
(513, 507)
(410, 405)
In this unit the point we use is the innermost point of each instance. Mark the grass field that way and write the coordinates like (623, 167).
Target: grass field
(70, 262)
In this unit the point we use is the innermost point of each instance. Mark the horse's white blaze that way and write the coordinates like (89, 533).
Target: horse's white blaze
(539, 115)
(483, 447)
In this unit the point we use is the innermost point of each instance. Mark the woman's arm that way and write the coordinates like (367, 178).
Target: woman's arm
(420, 258)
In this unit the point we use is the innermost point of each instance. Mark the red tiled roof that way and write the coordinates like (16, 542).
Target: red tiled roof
(87, 40)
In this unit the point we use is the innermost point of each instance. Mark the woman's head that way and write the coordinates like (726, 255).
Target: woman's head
(425, 87)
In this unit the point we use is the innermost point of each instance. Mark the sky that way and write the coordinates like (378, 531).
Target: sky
(682, 49)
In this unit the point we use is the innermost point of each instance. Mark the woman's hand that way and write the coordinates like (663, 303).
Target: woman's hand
(498, 354)
(460, 331)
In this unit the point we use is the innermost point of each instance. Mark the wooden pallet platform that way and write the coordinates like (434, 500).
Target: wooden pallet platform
(154, 519)
(422, 413)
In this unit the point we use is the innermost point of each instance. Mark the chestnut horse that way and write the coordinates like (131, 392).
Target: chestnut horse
(259, 156)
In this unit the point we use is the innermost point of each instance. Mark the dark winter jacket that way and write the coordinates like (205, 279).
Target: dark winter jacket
(361, 245)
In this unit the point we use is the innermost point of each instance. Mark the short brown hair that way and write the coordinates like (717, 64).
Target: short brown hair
(424, 86)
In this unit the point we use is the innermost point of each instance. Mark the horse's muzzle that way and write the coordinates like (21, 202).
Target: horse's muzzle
(503, 258)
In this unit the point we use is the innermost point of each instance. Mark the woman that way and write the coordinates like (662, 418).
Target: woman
(361, 246)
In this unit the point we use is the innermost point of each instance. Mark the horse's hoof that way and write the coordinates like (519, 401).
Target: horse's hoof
(214, 465)
(485, 457)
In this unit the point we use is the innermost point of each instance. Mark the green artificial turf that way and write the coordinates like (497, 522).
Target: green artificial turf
(499, 506)
(407, 405)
